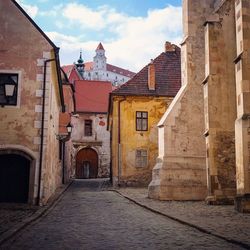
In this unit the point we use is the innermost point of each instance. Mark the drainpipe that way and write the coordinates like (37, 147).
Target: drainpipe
(119, 141)
(42, 131)
(63, 162)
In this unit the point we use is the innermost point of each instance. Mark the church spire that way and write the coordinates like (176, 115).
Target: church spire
(80, 65)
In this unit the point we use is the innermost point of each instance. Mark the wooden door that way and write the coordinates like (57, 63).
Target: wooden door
(86, 164)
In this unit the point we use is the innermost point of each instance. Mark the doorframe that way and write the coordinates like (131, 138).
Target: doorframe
(87, 147)
(28, 154)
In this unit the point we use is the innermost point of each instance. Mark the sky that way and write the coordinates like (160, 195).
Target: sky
(132, 31)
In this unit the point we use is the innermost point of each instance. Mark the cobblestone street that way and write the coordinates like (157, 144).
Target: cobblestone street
(88, 217)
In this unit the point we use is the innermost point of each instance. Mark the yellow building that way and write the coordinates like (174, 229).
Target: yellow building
(135, 108)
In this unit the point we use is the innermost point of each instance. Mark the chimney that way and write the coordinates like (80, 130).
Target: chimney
(151, 75)
(169, 47)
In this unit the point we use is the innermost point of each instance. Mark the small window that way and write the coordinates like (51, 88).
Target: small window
(8, 89)
(141, 121)
(141, 158)
(88, 128)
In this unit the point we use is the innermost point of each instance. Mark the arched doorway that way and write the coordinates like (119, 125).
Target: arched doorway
(86, 164)
(14, 178)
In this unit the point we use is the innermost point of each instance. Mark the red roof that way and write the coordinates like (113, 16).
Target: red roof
(67, 69)
(99, 47)
(167, 76)
(92, 96)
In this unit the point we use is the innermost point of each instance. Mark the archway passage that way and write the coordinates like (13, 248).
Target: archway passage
(86, 164)
(14, 178)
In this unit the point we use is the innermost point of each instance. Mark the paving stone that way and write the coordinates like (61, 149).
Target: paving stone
(86, 217)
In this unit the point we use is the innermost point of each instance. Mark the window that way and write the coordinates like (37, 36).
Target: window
(8, 88)
(88, 128)
(141, 158)
(141, 121)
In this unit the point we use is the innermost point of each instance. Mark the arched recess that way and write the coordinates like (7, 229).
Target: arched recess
(16, 176)
(86, 163)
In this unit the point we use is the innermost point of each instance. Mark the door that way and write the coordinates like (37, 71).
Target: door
(86, 164)
(14, 178)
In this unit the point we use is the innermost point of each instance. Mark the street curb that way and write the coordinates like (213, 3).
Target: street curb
(38, 214)
(201, 229)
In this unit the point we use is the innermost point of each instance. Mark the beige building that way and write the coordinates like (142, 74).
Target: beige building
(90, 138)
(204, 135)
(31, 98)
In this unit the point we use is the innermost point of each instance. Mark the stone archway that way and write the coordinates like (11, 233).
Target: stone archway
(14, 177)
(86, 164)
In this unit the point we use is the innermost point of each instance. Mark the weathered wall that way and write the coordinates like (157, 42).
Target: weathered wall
(242, 124)
(99, 141)
(180, 172)
(124, 167)
(20, 125)
(220, 104)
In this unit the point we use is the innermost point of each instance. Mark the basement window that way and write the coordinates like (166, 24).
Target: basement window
(141, 158)
(88, 128)
(141, 121)
(8, 88)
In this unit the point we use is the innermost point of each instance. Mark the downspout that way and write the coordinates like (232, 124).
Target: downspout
(63, 162)
(42, 131)
(119, 141)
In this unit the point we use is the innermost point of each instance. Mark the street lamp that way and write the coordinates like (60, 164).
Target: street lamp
(69, 128)
(9, 90)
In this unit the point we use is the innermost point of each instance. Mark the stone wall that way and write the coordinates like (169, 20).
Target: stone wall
(220, 104)
(180, 172)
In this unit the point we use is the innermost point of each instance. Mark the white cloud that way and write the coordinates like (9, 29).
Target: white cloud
(134, 42)
(32, 10)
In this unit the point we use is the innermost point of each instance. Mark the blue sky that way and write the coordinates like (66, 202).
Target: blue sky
(132, 31)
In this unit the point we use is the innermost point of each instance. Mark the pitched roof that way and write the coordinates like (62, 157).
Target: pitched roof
(167, 75)
(100, 47)
(88, 66)
(120, 71)
(67, 69)
(92, 96)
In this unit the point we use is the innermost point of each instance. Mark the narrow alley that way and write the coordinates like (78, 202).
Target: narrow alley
(88, 216)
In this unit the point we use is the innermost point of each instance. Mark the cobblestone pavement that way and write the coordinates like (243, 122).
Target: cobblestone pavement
(87, 217)
(13, 214)
(220, 220)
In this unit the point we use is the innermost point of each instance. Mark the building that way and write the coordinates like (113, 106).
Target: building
(91, 140)
(31, 99)
(209, 158)
(135, 108)
(97, 70)
(65, 126)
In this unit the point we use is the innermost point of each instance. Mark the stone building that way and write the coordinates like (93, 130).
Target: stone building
(31, 98)
(90, 138)
(209, 118)
(135, 108)
(97, 70)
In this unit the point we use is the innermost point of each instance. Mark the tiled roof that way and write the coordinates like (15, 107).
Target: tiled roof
(167, 74)
(100, 47)
(92, 96)
(67, 69)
